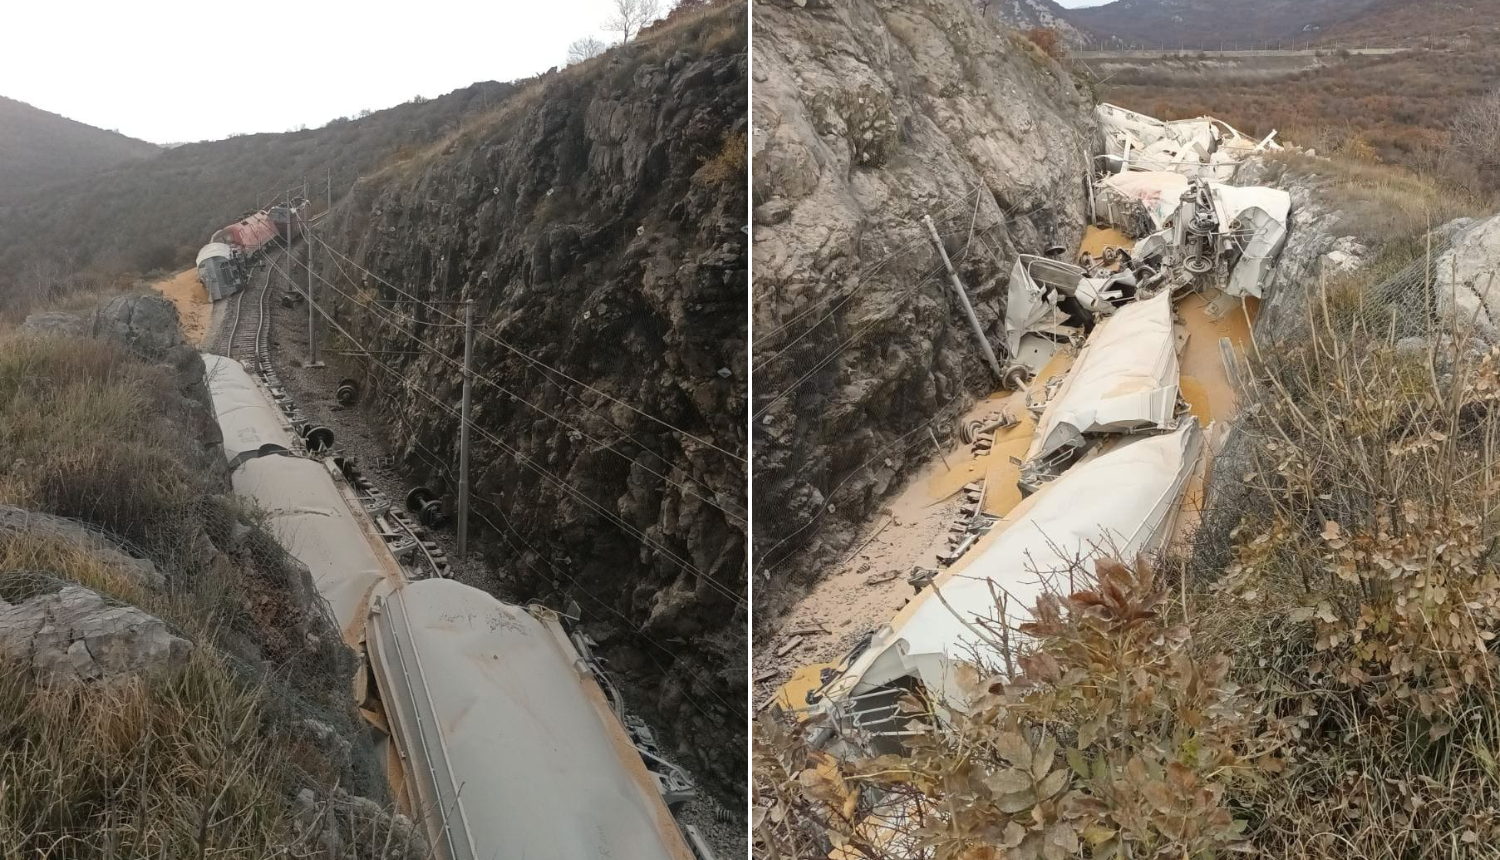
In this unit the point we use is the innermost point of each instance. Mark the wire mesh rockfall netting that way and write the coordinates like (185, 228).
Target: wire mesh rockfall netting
(1402, 305)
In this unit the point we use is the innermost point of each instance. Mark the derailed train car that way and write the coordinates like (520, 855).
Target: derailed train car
(498, 737)
(288, 219)
(248, 236)
(505, 731)
(223, 264)
(219, 271)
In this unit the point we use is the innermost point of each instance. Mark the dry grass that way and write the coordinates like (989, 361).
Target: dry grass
(203, 761)
(699, 32)
(1386, 203)
(87, 431)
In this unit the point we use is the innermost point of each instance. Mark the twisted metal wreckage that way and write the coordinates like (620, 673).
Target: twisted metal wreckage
(1100, 349)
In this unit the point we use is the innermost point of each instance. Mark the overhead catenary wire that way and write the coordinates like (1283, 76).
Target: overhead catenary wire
(739, 513)
(526, 460)
(533, 360)
(434, 460)
(737, 518)
(535, 366)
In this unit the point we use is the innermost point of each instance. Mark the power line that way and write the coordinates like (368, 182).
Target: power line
(739, 514)
(424, 452)
(378, 312)
(534, 361)
(524, 458)
(638, 628)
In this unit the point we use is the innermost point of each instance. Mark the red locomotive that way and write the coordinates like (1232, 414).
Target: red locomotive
(249, 235)
(223, 264)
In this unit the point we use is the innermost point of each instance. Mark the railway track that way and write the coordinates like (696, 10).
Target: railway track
(247, 339)
(247, 334)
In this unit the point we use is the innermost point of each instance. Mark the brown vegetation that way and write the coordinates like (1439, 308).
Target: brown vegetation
(1049, 40)
(203, 760)
(1398, 108)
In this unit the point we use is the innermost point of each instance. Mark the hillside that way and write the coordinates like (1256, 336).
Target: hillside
(1456, 23)
(39, 148)
(1034, 14)
(1207, 24)
(153, 634)
(157, 213)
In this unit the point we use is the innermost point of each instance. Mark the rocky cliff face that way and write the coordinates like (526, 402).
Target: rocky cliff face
(597, 221)
(868, 116)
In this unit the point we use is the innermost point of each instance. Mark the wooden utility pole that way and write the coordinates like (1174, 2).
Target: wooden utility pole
(463, 433)
(963, 299)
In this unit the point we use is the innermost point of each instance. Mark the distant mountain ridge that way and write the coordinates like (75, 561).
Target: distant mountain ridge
(1403, 22)
(1032, 14)
(155, 213)
(38, 148)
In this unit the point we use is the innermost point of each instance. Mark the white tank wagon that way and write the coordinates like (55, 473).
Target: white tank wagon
(219, 271)
(251, 424)
(1121, 503)
(510, 748)
(1124, 381)
(313, 514)
(319, 525)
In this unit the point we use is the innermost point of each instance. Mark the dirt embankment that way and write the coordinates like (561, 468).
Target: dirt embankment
(194, 309)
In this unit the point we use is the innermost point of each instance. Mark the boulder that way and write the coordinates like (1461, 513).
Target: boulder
(75, 633)
(147, 324)
(14, 520)
(1467, 279)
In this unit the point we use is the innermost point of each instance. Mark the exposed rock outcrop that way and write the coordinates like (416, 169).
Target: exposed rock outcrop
(868, 116)
(17, 521)
(598, 222)
(145, 324)
(1467, 277)
(74, 633)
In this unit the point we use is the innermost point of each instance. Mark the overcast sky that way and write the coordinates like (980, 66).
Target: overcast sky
(183, 70)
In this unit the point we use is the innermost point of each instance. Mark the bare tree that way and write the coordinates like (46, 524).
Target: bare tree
(1476, 132)
(631, 15)
(586, 48)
